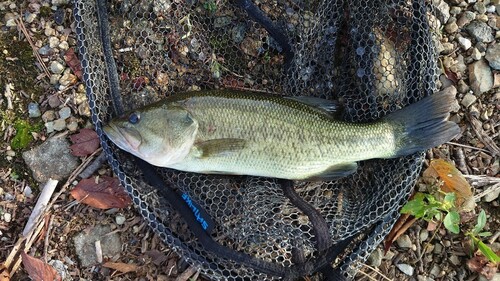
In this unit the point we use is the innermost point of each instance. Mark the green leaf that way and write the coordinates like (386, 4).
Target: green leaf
(488, 252)
(485, 234)
(415, 208)
(451, 221)
(481, 222)
(449, 201)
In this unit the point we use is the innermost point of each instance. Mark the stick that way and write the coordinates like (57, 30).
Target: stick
(20, 25)
(40, 206)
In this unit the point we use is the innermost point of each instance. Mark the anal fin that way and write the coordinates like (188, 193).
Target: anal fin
(335, 172)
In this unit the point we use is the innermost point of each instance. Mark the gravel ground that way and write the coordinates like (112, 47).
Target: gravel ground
(42, 100)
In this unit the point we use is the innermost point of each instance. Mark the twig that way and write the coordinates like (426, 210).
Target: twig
(47, 238)
(367, 275)
(378, 272)
(491, 189)
(186, 274)
(478, 129)
(94, 166)
(481, 180)
(20, 25)
(469, 147)
(8, 95)
(494, 237)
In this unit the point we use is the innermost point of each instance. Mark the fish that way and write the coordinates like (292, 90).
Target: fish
(297, 138)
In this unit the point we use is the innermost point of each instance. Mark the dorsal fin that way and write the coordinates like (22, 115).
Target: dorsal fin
(319, 103)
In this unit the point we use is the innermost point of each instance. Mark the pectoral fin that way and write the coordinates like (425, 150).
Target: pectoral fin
(326, 105)
(218, 147)
(335, 172)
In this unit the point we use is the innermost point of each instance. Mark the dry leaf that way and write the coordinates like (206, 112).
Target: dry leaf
(73, 62)
(38, 270)
(481, 265)
(122, 267)
(452, 178)
(84, 142)
(105, 194)
(4, 273)
(402, 224)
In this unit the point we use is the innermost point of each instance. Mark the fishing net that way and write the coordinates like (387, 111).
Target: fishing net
(373, 57)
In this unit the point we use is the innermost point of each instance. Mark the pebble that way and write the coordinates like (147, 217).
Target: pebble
(438, 248)
(491, 9)
(435, 270)
(29, 17)
(56, 68)
(480, 31)
(65, 112)
(49, 127)
(454, 260)
(48, 115)
(67, 78)
(464, 43)
(476, 54)
(59, 2)
(54, 79)
(7, 217)
(63, 45)
(34, 110)
(45, 51)
(462, 87)
(447, 48)
(404, 241)
(406, 268)
(466, 18)
(27, 191)
(480, 7)
(474, 111)
(51, 159)
(119, 219)
(424, 234)
(493, 56)
(424, 278)
(53, 42)
(72, 126)
(454, 10)
(480, 77)
(451, 27)
(442, 10)
(59, 124)
(468, 100)
(375, 259)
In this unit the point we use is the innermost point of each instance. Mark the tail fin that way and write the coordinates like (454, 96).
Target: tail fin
(424, 124)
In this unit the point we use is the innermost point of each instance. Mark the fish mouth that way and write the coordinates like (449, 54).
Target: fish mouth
(126, 139)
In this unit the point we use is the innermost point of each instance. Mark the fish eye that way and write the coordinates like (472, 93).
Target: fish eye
(134, 118)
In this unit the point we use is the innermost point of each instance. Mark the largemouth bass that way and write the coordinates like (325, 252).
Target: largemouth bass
(242, 133)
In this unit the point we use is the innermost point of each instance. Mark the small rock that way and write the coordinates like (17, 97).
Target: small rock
(424, 278)
(49, 31)
(464, 43)
(476, 54)
(468, 100)
(375, 259)
(119, 219)
(27, 191)
(462, 87)
(51, 159)
(65, 112)
(7, 217)
(54, 79)
(466, 18)
(442, 10)
(53, 41)
(61, 268)
(34, 110)
(424, 234)
(480, 7)
(480, 77)
(438, 248)
(63, 45)
(85, 244)
(454, 10)
(29, 17)
(447, 48)
(56, 67)
(474, 111)
(491, 196)
(491, 9)
(45, 51)
(406, 268)
(404, 241)
(493, 56)
(48, 115)
(49, 126)
(54, 101)
(480, 31)
(454, 260)
(482, 17)
(67, 79)
(389, 255)
(72, 126)
(59, 2)
(451, 27)
(435, 270)
(59, 124)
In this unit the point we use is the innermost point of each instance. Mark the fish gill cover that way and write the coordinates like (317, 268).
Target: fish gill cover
(374, 57)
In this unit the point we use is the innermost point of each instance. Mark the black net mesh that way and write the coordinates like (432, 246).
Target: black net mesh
(372, 56)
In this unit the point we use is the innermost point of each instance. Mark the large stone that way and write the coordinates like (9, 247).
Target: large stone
(493, 56)
(480, 77)
(480, 31)
(51, 159)
(442, 10)
(85, 244)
